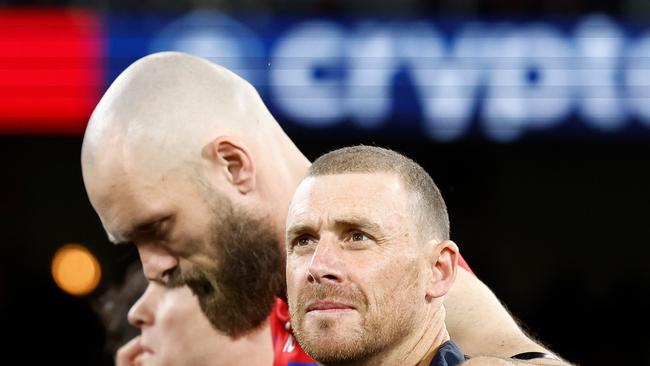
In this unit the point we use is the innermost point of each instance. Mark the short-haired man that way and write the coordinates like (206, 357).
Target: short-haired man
(182, 158)
(369, 262)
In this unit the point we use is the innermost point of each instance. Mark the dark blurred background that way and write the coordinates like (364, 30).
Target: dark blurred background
(532, 116)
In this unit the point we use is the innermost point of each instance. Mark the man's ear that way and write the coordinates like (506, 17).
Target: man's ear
(234, 160)
(443, 260)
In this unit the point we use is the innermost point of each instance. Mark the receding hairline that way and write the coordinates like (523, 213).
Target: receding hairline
(433, 218)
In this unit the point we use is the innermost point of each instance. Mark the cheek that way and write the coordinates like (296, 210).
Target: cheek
(296, 278)
(296, 273)
(193, 233)
(394, 282)
(176, 318)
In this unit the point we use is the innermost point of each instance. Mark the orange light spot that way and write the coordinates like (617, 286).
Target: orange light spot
(75, 269)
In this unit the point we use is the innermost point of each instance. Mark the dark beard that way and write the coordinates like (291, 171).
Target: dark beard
(237, 294)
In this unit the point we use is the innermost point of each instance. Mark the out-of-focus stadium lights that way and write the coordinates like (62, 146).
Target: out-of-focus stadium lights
(75, 269)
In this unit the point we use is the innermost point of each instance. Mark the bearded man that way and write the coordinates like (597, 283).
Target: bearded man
(182, 158)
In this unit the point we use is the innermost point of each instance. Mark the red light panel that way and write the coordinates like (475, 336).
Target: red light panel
(51, 71)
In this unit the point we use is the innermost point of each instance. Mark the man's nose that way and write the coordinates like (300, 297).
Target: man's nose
(141, 313)
(327, 264)
(156, 260)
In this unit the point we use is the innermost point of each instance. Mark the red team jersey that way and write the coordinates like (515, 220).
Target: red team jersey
(286, 350)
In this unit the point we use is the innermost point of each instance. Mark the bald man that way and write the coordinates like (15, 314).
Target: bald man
(182, 158)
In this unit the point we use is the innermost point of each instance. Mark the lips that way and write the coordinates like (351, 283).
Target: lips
(329, 306)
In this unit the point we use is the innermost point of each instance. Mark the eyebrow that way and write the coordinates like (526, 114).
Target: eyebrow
(301, 228)
(145, 227)
(352, 221)
(358, 222)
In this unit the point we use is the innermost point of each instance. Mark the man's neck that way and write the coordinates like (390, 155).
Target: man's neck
(289, 167)
(420, 350)
(441, 338)
(296, 166)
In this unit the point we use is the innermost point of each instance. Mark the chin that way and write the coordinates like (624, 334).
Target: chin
(326, 351)
(336, 354)
(329, 339)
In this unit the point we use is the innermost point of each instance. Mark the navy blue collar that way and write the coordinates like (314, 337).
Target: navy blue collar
(448, 355)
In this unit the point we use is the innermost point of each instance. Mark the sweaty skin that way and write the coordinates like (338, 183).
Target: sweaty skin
(170, 118)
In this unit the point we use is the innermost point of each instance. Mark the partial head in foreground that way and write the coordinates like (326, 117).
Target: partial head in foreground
(368, 259)
(113, 305)
(174, 331)
(182, 158)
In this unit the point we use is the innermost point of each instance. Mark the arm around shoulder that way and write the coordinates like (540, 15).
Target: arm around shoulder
(481, 325)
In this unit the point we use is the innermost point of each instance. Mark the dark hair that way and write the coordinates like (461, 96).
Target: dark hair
(113, 307)
(433, 217)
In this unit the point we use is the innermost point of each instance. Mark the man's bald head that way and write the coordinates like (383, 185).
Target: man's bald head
(166, 105)
(182, 158)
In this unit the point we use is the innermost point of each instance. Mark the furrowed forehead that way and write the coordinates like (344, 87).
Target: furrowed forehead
(357, 184)
(348, 197)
